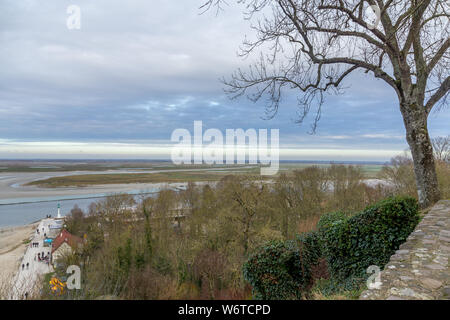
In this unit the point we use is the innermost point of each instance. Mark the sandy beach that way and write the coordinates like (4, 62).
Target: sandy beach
(12, 249)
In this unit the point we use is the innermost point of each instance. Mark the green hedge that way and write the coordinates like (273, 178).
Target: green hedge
(281, 270)
(350, 245)
(310, 247)
(328, 219)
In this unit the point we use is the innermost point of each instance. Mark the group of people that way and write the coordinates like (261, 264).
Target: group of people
(44, 256)
(39, 232)
(35, 244)
(41, 257)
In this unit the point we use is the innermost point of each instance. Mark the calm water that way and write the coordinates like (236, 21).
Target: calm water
(13, 213)
(25, 213)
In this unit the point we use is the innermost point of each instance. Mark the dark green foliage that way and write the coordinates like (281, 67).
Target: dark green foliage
(328, 219)
(124, 257)
(309, 245)
(274, 271)
(282, 270)
(369, 237)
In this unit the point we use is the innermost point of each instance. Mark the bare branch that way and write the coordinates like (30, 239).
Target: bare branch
(313, 46)
(438, 95)
(438, 56)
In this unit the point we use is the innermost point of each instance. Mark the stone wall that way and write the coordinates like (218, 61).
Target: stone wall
(419, 269)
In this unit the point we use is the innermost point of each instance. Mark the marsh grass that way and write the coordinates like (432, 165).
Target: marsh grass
(126, 178)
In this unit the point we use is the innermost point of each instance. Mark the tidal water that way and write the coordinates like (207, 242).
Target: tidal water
(24, 213)
(17, 212)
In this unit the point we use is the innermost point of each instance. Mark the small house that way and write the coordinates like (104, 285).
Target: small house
(64, 244)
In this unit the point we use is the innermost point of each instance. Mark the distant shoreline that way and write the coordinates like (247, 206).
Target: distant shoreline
(170, 161)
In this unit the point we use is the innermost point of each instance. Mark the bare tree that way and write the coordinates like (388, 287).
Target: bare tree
(313, 45)
(77, 213)
(441, 147)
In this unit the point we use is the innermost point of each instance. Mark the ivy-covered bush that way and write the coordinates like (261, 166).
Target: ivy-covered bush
(281, 270)
(367, 238)
(310, 247)
(330, 218)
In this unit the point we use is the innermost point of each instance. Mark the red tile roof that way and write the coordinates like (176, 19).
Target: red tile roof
(65, 236)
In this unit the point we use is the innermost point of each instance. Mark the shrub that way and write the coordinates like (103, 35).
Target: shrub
(282, 270)
(443, 174)
(274, 271)
(400, 174)
(368, 238)
(346, 183)
(328, 219)
(309, 245)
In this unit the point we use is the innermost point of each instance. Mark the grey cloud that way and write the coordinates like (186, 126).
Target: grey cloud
(139, 69)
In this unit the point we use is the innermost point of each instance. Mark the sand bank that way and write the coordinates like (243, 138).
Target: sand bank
(12, 185)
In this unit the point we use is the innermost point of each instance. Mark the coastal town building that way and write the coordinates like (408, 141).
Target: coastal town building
(64, 244)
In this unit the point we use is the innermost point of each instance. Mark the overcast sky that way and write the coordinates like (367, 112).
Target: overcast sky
(137, 70)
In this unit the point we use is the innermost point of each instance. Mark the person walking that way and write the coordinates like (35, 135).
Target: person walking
(28, 265)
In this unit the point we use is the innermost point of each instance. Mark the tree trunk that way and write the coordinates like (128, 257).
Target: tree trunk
(415, 119)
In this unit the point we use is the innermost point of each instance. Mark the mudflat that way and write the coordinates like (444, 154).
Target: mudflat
(12, 186)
